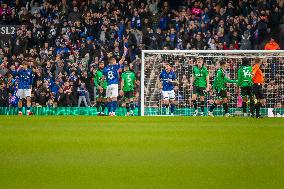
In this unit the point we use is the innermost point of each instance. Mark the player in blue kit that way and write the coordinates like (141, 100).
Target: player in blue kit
(25, 80)
(111, 74)
(168, 80)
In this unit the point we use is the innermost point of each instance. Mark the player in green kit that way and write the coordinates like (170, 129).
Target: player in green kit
(101, 86)
(128, 80)
(200, 84)
(245, 83)
(220, 86)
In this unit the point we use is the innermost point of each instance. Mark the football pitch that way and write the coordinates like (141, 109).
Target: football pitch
(141, 152)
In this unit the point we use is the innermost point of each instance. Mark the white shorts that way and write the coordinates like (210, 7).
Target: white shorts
(168, 95)
(24, 93)
(112, 91)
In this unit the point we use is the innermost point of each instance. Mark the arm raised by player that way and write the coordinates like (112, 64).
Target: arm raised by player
(20, 68)
(121, 61)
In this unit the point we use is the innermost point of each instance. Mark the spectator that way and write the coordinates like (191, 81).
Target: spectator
(246, 41)
(272, 45)
(82, 95)
(4, 101)
(64, 40)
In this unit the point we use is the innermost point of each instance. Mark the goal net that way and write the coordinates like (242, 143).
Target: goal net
(182, 63)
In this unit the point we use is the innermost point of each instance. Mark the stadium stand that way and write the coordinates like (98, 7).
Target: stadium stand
(63, 41)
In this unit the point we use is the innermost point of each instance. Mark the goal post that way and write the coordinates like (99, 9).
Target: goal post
(182, 63)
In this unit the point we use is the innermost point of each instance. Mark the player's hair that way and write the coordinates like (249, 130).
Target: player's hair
(245, 61)
(198, 59)
(126, 66)
(222, 62)
(110, 59)
(167, 63)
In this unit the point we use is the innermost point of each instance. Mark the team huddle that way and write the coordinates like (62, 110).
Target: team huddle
(250, 80)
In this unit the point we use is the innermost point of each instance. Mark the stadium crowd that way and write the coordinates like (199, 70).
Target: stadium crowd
(63, 41)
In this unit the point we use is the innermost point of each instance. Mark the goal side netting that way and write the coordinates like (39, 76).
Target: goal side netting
(182, 63)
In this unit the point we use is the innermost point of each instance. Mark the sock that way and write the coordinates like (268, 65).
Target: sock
(195, 104)
(20, 109)
(202, 106)
(98, 105)
(28, 109)
(244, 106)
(167, 108)
(257, 108)
(114, 105)
(251, 106)
(127, 107)
(132, 106)
(226, 108)
(103, 105)
(109, 107)
(164, 108)
(212, 107)
(172, 108)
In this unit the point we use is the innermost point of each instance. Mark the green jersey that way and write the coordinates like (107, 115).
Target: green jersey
(128, 78)
(200, 75)
(245, 76)
(98, 79)
(221, 80)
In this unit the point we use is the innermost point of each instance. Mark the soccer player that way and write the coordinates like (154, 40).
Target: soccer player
(101, 86)
(128, 79)
(168, 79)
(200, 83)
(220, 86)
(258, 80)
(245, 83)
(24, 87)
(112, 77)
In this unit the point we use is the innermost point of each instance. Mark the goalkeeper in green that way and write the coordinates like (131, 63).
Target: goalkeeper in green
(220, 86)
(101, 86)
(200, 84)
(245, 83)
(128, 80)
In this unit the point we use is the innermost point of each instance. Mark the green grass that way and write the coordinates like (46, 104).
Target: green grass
(141, 152)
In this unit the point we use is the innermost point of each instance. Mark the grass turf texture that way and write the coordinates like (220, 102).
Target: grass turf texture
(141, 152)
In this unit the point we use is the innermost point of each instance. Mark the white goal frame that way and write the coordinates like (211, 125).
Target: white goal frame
(226, 52)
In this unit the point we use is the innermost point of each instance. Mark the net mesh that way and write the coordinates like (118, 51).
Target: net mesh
(182, 62)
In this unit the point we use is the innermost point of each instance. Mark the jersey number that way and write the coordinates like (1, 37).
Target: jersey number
(129, 78)
(247, 73)
(110, 75)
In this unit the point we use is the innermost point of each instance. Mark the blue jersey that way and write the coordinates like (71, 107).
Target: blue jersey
(25, 78)
(111, 73)
(164, 77)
